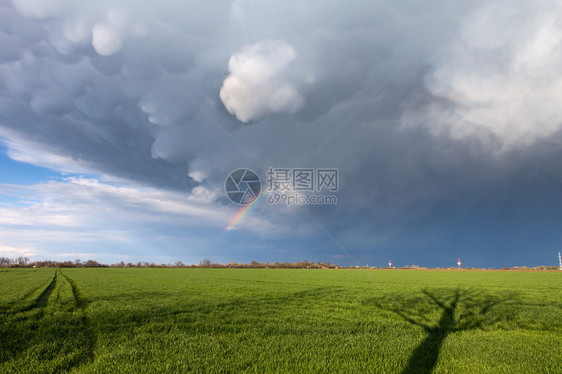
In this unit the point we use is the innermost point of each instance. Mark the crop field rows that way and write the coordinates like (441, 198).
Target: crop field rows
(250, 320)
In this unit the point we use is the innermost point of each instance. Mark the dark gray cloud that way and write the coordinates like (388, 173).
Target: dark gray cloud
(453, 103)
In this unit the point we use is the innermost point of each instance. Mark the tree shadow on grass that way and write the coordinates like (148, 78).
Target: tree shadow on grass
(441, 312)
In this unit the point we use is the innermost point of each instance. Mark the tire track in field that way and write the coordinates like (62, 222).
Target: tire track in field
(11, 307)
(18, 326)
(49, 318)
(90, 334)
(43, 299)
(80, 302)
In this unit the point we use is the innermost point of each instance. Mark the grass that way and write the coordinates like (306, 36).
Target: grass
(250, 320)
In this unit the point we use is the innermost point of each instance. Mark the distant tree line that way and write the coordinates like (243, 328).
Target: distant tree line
(15, 262)
(24, 262)
(206, 263)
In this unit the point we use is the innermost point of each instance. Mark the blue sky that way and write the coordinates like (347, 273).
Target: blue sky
(15, 172)
(120, 123)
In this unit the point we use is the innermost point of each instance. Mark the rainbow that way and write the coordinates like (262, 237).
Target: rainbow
(235, 221)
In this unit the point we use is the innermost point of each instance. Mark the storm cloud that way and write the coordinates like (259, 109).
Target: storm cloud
(438, 116)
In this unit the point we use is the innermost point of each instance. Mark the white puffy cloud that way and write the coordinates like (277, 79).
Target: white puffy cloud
(204, 195)
(106, 39)
(501, 79)
(257, 84)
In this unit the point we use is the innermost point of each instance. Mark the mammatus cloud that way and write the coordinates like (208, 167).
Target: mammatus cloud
(106, 39)
(43, 10)
(257, 85)
(427, 96)
(75, 25)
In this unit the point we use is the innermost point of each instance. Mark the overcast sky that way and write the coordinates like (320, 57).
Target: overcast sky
(120, 121)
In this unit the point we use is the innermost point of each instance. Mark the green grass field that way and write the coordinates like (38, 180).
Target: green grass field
(249, 320)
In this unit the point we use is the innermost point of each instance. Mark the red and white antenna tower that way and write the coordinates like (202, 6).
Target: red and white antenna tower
(390, 264)
(459, 262)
